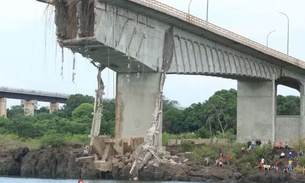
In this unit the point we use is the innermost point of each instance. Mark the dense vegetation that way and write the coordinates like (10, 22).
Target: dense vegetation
(213, 117)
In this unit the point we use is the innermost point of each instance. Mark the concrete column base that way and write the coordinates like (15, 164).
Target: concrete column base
(53, 107)
(136, 97)
(255, 110)
(3, 110)
(29, 107)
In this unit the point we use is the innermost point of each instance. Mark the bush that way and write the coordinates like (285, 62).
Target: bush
(298, 143)
(187, 146)
(13, 141)
(199, 153)
(203, 133)
(167, 136)
(59, 140)
(302, 161)
(254, 156)
(53, 140)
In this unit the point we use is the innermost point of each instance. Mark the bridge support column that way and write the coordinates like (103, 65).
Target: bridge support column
(302, 111)
(53, 107)
(136, 98)
(3, 107)
(256, 110)
(29, 107)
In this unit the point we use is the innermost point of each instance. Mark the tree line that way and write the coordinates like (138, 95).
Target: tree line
(215, 116)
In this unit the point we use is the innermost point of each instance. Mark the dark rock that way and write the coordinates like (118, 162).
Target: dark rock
(262, 176)
(19, 153)
(9, 167)
(55, 163)
(164, 172)
(124, 174)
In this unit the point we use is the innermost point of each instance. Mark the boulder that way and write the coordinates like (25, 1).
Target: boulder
(9, 167)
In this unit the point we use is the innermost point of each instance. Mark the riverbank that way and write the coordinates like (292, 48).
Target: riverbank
(60, 163)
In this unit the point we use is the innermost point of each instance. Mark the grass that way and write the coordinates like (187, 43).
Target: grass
(12, 141)
(167, 136)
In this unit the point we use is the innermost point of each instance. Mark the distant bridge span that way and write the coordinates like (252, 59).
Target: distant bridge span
(25, 94)
(30, 98)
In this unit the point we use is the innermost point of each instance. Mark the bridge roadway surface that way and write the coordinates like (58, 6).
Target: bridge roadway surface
(16, 93)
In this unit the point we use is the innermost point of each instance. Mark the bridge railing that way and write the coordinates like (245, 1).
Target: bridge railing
(218, 30)
(34, 92)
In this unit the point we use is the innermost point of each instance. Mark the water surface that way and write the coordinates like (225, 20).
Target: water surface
(31, 180)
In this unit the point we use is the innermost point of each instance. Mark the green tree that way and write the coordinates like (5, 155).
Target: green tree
(23, 126)
(172, 121)
(193, 117)
(203, 133)
(84, 110)
(169, 104)
(108, 110)
(76, 100)
(288, 105)
(42, 109)
(15, 110)
(220, 110)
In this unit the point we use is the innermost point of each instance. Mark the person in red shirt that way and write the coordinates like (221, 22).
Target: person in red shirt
(280, 144)
(260, 165)
(276, 165)
(228, 157)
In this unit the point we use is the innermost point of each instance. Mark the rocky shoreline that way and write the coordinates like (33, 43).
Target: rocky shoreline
(60, 163)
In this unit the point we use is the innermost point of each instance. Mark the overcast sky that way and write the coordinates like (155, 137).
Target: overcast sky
(31, 59)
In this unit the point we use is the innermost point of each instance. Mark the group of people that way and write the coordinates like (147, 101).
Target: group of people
(279, 145)
(287, 168)
(219, 160)
(263, 165)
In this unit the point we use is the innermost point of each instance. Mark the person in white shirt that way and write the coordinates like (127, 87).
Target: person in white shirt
(263, 161)
(282, 156)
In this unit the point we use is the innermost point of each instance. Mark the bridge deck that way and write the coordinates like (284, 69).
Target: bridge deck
(17, 93)
(184, 20)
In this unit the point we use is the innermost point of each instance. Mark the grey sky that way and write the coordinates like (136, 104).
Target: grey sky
(30, 58)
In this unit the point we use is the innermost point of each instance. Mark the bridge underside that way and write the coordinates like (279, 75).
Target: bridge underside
(106, 56)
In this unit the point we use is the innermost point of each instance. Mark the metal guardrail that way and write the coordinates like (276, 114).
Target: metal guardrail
(218, 30)
(34, 92)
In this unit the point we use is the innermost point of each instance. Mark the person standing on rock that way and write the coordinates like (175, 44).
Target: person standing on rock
(263, 160)
(228, 157)
(220, 156)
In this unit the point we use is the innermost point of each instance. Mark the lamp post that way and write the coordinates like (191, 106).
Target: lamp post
(188, 10)
(287, 31)
(268, 36)
(207, 10)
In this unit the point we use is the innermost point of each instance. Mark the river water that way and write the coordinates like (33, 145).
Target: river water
(30, 180)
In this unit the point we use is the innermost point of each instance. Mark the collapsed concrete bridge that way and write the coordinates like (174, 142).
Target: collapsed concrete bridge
(143, 40)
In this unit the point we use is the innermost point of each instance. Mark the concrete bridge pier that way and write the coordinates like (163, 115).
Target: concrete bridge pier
(53, 107)
(3, 107)
(136, 96)
(29, 107)
(302, 110)
(256, 110)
